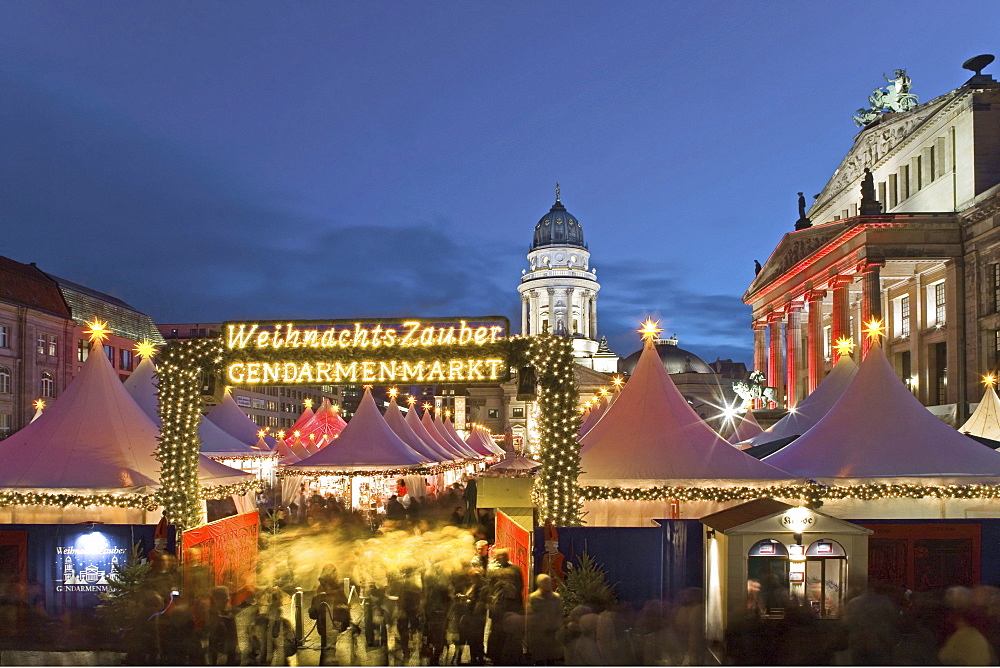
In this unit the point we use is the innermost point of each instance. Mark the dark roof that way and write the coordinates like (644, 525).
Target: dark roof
(730, 518)
(558, 228)
(27, 285)
(86, 304)
(674, 359)
(769, 448)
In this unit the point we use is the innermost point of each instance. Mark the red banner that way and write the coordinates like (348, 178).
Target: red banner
(223, 553)
(517, 541)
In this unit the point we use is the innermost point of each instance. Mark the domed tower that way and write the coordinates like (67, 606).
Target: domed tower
(559, 289)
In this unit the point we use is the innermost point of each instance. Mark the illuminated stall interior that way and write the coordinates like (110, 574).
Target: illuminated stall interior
(763, 556)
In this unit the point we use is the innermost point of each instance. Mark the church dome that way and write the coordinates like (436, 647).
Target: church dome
(673, 358)
(558, 228)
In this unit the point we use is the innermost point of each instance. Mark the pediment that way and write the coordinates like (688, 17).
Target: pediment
(878, 142)
(793, 248)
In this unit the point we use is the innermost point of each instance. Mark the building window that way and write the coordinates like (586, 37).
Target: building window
(109, 351)
(48, 385)
(939, 304)
(4, 380)
(4, 337)
(53, 347)
(42, 344)
(493, 413)
(995, 280)
(82, 350)
(941, 372)
(517, 412)
(828, 342)
(125, 359)
(4, 425)
(904, 316)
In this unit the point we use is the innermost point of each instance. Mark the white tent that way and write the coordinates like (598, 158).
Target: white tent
(93, 439)
(394, 418)
(231, 419)
(455, 442)
(814, 407)
(747, 428)
(366, 443)
(420, 429)
(878, 430)
(216, 443)
(482, 436)
(593, 416)
(985, 422)
(652, 437)
(428, 424)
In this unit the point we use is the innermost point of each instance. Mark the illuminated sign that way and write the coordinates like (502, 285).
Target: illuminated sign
(85, 563)
(335, 352)
(797, 519)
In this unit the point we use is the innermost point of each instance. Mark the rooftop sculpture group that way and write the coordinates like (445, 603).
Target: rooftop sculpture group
(895, 97)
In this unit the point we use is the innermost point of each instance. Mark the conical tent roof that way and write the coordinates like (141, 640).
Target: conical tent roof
(651, 434)
(479, 434)
(93, 437)
(428, 424)
(985, 422)
(396, 421)
(142, 387)
(515, 463)
(457, 443)
(595, 414)
(746, 429)
(367, 442)
(814, 407)
(303, 420)
(878, 429)
(231, 419)
(418, 427)
(298, 448)
(479, 449)
(285, 452)
(324, 427)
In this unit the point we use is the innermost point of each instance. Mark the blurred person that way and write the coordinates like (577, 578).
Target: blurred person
(545, 618)
(273, 638)
(872, 623)
(394, 510)
(966, 646)
(329, 607)
(689, 625)
(482, 558)
(437, 600)
(506, 583)
(220, 627)
(471, 614)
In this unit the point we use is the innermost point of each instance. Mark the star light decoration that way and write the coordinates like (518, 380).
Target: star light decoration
(843, 346)
(990, 380)
(411, 400)
(145, 349)
(393, 392)
(98, 331)
(650, 329)
(39, 404)
(874, 330)
(307, 403)
(618, 382)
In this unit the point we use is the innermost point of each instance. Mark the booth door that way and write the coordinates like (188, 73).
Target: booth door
(826, 578)
(13, 580)
(767, 578)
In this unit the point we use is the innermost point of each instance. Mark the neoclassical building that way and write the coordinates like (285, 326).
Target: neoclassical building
(907, 229)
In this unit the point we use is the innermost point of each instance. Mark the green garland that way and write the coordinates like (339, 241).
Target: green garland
(556, 491)
(811, 493)
(143, 501)
(500, 350)
(180, 373)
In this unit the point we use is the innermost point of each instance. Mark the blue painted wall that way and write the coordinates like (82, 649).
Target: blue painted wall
(644, 563)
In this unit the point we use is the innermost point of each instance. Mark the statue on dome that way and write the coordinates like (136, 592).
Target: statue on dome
(755, 387)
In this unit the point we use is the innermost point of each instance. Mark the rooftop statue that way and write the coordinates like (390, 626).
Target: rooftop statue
(895, 97)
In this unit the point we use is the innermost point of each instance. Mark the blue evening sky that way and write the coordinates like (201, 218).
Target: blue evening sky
(224, 160)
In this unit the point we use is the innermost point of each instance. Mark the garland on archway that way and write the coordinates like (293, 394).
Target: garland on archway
(180, 387)
(556, 491)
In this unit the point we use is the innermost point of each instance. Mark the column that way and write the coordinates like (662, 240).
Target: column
(593, 316)
(569, 312)
(871, 297)
(793, 345)
(534, 322)
(815, 338)
(841, 321)
(525, 315)
(759, 353)
(774, 365)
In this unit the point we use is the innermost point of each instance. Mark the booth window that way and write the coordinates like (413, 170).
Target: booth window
(826, 578)
(767, 578)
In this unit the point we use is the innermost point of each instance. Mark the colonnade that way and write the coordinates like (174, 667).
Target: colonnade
(559, 303)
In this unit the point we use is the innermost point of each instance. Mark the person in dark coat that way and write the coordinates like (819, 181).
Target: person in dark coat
(394, 510)
(220, 627)
(330, 610)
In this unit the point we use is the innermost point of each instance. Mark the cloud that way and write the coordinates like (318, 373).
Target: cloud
(94, 199)
(710, 325)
